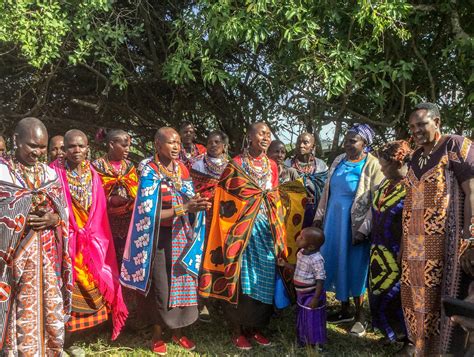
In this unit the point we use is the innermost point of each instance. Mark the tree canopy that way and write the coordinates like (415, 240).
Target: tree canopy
(297, 64)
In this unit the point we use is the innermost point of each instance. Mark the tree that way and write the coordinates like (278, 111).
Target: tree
(223, 64)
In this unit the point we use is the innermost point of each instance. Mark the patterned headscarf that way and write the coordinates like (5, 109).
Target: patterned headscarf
(365, 131)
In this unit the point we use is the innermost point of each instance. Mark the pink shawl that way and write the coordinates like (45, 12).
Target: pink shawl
(95, 243)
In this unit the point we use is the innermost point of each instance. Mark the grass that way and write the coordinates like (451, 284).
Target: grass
(213, 339)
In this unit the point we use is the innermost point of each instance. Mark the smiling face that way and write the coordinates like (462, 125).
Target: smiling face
(77, 148)
(423, 127)
(168, 145)
(56, 148)
(260, 137)
(305, 144)
(354, 145)
(31, 145)
(215, 146)
(277, 152)
(119, 147)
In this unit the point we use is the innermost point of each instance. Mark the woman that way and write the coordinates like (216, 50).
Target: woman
(208, 167)
(245, 238)
(386, 235)
(437, 215)
(205, 173)
(159, 233)
(189, 149)
(120, 182)
(277, 153)
(345, 203)
(35, 266)
(97, 292)
(312, 170)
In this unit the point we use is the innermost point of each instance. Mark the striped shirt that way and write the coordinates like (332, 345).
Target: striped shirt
(309, 269)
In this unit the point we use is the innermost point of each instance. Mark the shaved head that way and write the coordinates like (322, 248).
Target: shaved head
(27, 125)
(255, 126)
(31, 141)
(55, 139)
(162, 134)
(73, 133)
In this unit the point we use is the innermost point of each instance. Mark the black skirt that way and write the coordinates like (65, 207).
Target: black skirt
(157, 301)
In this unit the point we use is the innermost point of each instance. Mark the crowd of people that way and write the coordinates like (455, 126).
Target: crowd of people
(85, 241)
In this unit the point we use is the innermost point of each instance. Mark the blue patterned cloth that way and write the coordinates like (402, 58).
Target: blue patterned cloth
(141, 240)
(192, 256)
(257, 274)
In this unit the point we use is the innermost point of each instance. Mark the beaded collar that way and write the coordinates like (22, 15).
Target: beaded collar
(257, 168)
(174, 175)
(214, 166)
(303, 167)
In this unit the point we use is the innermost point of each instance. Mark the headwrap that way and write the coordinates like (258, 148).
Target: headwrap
(365, 131)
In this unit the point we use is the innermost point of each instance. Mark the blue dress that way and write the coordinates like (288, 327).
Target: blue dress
(346, 265)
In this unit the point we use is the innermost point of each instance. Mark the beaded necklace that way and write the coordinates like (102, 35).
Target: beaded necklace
(29, 176)
(109, 168)
(306, 168)
(80, 185)
(261, 172)
(186, 156)
(213, 168)
(174, 175)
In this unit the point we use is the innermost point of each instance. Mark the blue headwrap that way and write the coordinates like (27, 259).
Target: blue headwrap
(365, 131)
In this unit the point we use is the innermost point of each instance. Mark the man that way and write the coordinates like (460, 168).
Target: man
(56, 148)
(35, 268)
(3, 146)
(189, 149)
(159, 233)
(438, 230)
(96, 288)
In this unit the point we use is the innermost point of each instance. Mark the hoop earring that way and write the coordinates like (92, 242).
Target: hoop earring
(246, 144)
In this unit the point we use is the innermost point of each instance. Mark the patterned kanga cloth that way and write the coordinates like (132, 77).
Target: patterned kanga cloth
(240, 201)
(432, 224)
(35, 267)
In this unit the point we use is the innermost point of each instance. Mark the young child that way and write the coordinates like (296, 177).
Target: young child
(308, 280)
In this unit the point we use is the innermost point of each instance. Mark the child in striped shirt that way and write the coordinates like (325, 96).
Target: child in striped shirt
(308, 279)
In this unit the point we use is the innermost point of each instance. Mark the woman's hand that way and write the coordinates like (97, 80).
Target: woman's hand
(196, 204)
(318, 223)
(118, 201)
(40, 221)
(359, 238)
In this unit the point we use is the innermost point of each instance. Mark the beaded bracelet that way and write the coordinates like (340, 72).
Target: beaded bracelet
(179, 210)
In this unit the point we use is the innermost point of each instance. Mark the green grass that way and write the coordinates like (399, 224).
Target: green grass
(213, 339)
